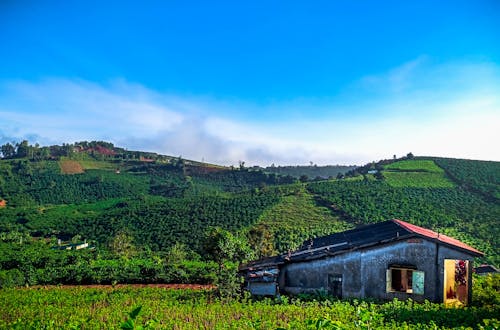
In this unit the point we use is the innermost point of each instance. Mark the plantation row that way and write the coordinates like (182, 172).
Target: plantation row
(128, 308)
(23, 183)
(157, 223)
(453, 211)
(480, 176)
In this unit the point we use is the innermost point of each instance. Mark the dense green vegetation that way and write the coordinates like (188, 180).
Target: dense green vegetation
(479, 176)
(309, 172)
(452, 211)
(421, 165)
(37, 263)
(294, 219)
(417, 180)
(153, 308)
(135, 207)
(415, 174)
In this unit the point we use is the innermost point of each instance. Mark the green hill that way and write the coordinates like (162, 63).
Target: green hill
(309, 172)
(423, 192)
(144, 206)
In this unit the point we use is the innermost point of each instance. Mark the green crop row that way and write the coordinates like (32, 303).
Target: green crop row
(417, 179)
(99, 308)
(456, 211)
(414, 165)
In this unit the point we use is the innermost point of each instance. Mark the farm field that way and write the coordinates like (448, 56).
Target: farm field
(416, 174)
(70, 167)
(109, 308)
(417, 180)
(415, 165)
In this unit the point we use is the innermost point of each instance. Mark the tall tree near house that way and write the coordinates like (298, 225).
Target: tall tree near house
(227, 250)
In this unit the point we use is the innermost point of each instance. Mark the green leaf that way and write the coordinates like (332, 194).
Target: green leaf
(135, 312)
(128, 325)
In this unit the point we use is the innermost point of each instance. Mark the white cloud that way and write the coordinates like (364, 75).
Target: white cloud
(413, 110)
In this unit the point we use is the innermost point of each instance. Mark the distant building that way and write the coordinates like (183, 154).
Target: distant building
(486, 269)
(386, 260)
(147, 160)
(72, 246)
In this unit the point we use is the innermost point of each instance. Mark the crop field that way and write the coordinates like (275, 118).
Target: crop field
(296, 218)
(415, 165)
(416, 174)
(417, 180)
(158, 308)
(96, 165)
(70, 167)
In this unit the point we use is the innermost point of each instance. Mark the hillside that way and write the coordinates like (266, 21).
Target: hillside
(309, 172)
(421, 191)
(147, 207)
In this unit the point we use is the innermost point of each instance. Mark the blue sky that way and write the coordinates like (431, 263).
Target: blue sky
(265, 82)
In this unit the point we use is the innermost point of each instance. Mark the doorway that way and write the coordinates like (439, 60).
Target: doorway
(456, 282)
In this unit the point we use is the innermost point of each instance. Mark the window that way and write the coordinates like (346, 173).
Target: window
(405, 279)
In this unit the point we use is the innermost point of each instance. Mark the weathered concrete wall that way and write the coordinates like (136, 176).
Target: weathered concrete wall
(364, 271)
(313, 275)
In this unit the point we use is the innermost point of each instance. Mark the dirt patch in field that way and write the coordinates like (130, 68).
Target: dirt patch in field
(70, 167)
(109, 286)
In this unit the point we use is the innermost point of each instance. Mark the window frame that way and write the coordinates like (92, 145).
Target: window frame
(415, 280)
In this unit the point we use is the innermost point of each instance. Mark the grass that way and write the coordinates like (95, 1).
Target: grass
(416, 174)
(417, 180)
(298, 217)
(415, 165)
(97, 165)
(97, 308)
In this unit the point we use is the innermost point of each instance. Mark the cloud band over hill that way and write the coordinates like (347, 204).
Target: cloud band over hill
(448, 109)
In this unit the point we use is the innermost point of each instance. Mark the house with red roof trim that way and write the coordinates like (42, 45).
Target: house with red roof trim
(385, 260)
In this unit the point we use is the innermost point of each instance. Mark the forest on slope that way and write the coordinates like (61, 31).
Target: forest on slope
(154, 218)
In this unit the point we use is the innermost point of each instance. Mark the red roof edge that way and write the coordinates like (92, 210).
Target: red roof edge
(436, 236)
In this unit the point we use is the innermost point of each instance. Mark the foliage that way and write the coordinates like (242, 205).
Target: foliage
(415, 174)
(295, 218)
(456, 212)
(89, 308)
(130, 324)
(476, 175)
(227, 250)
(421, 165)
(313, 171)
(486, 290)
(417, 180)
(148, 214)
(35, 263)
(122, 245)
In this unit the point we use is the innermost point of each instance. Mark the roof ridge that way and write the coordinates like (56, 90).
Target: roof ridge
(435, 235)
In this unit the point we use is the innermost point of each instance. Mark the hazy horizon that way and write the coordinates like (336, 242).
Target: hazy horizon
(283, 83)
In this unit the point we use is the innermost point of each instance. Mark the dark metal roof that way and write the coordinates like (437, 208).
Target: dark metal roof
(485, 269)
(364, 236)
(360, 236)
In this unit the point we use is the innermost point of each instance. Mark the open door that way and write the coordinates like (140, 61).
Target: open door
(456, 283)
